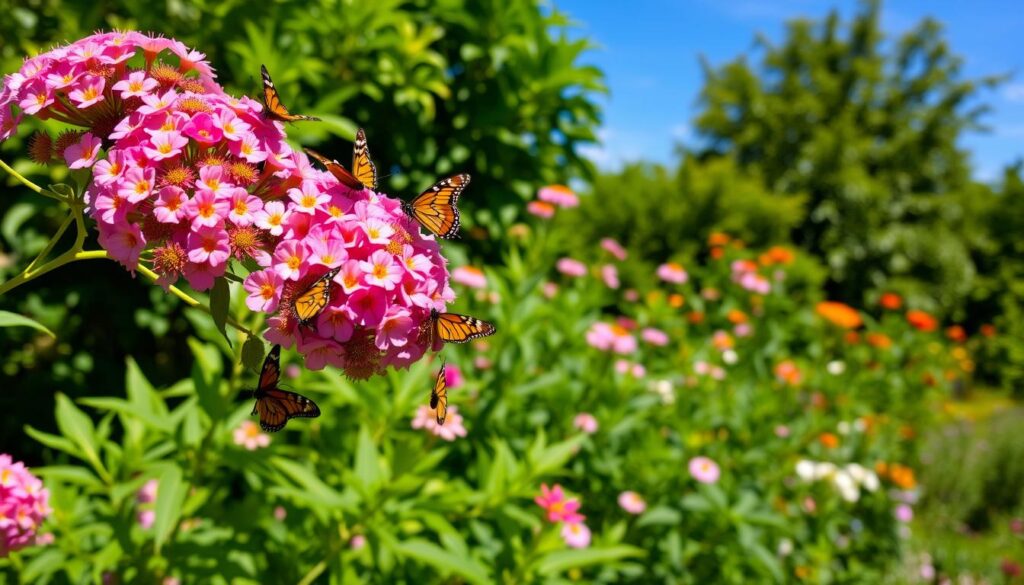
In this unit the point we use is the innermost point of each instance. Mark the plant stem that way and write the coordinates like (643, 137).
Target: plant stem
(22, 179)
(188, 299)
(53, 241)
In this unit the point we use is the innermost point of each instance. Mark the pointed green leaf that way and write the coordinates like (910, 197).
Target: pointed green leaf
(252, 353)
(220, 303)
(170, 497)
(561, 560)
(441, 559)
(9, 319)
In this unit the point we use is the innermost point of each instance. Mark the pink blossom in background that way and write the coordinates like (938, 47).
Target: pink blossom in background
(24, 505)
(627, 323)
(549, 290)
(453, 375)
(576, 535)
(610, 276)
(704, 470)
(357, 542)
(627, 367)
(631, 295)
(904, 513)
(280, 513)
(781, 431)
(613, 338)
(614, 248)
(426, 419)
(470, 276)
(147, 493)
(673, 273)
(570, 267)
(249, 435)
(146, 518)
(654, 336)
(541, 209)
(558, 195)
(482, 363)
(585, 422)
(632, 502)
(742, 330)
(558, 506)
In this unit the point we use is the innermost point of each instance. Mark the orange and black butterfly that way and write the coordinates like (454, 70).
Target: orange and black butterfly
(439, 396)
(436, 208)
(274, 108)
(311, 302)
(275, 406)
(363, 174)
(455, 328)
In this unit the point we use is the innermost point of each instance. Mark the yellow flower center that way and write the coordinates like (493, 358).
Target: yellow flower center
(309, 200)
(241, 208)
(294, 262)
(267, 291)
(142, 187)
(380, 271)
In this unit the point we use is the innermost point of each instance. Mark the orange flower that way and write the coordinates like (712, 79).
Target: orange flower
(695, 317)
(956, 333)
(839, 314)
(787, 372)
(879, 340)
(828, 440)
(776, 255)
(722, 341)
(882, 468)
(736, 317)
(988, 330)
(852, 337)
(907, 432)
(676, 300)
(902, 476)
(922, 321)
(890, 301)
(717, 253)
(718, 239)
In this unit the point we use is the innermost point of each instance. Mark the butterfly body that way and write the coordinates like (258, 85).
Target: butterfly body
(274, 406)
(436, 209)
(272, 102)
(363, 174)
(439, 396)
(455, 328)
(312, 301)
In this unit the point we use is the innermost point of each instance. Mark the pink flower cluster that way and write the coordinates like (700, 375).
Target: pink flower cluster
(94, 82)
(452, 428)
(24, 504)
(744, 273)
(560, 508)
(615, 338)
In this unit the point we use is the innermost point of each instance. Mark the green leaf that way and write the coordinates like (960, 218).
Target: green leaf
(53, 441)
(444, 561)
(252, 353)
(367, 464)
(660, 516)
(170, 497)
(77, 426)
(561, 560)
(309, 482)
(220, 303)
(9, 319)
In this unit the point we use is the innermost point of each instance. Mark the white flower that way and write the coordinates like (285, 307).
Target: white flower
(836, 367)
(805, 469)
(664, 389)
(730, 357)
(785, 547)
(824, 470)
(846, 485)
(843, 427)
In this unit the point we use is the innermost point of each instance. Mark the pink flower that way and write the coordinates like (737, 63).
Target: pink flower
(614, 248)
(137, 184)
(248, 148)
(541, 209)
(381, 270)
(264, 289)
(470, 276)
(243, 206)
(904, 513)
(89, 94)
(154, 103)
(628, 367)
(272, 217)
(165, 145)
(146, 518)
(632, 502)
(83, 154)
(280, 513)
(249, 435)
(654, 336)
(781, 431)
(290, 260)
(206, 210)
(672, 272)
(576, 535)
(559, 508)
(614, 338)
(704, 470)
(570, 267)
(170, 205)
(24, 505)
(203, 129)
(453, 375)
(135, 85)
(357, 542)
(558, 195)
(147, 493)
(308, 198)
(585, 422)
(395, 328)
(209, 246)
(610, 276)
(549, 290)
(452, 428)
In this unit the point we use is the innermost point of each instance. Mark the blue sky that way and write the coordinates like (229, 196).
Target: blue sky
(650, 49)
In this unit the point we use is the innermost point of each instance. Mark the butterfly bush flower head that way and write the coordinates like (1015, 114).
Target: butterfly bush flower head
(426, 419)
(249, 435)
(470, 276)
(704, 470)
(632, 502)
(559, 196)
(24, 504)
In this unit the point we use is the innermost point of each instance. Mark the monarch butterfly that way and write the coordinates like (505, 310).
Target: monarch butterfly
(311, 302)
(274, 108)
(436, 209)
(454, 328)
(275, 406)
(364, 172)
(439, 396)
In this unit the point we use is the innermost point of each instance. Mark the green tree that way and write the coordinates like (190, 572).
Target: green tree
(868, 129)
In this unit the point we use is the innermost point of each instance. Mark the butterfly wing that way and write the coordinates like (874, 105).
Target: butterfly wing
(454, 328)
(335, 168)
(439, 396)
(272, 100)
(362, 167)
(314, 299)
(276, 407)
(437, 208)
